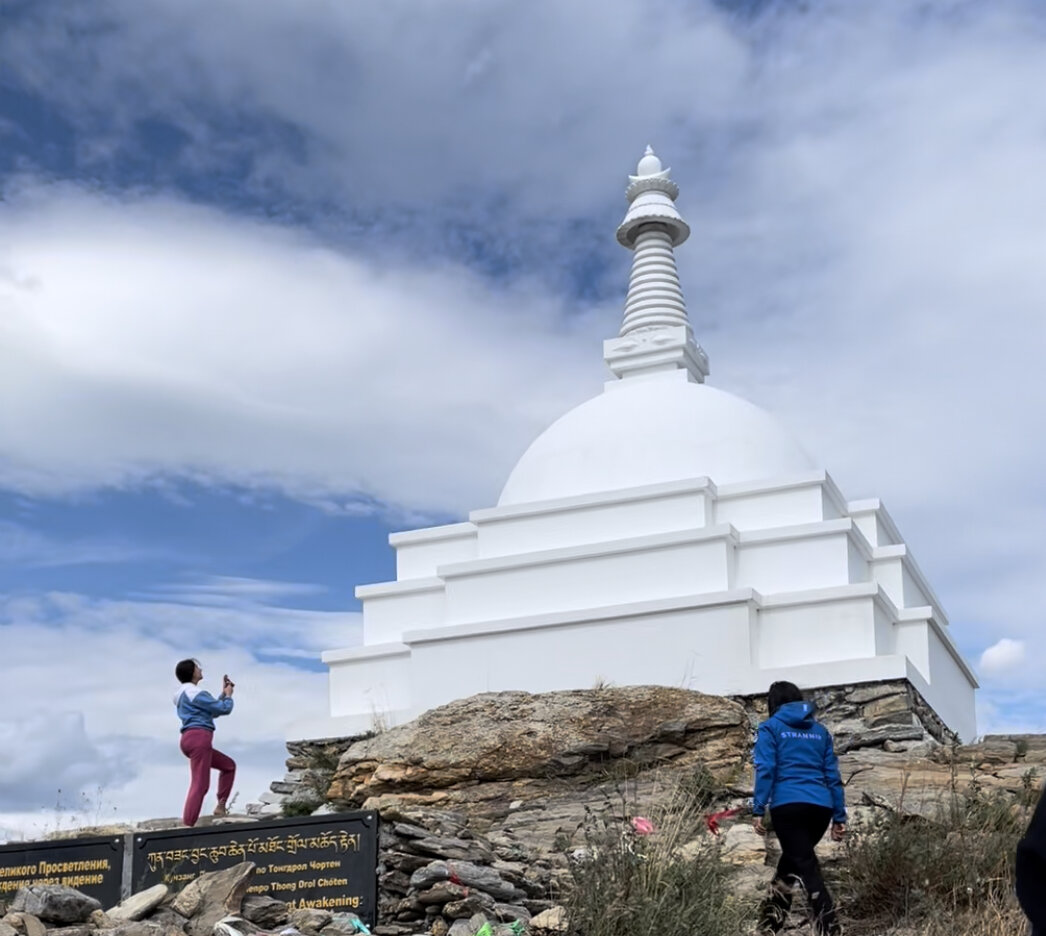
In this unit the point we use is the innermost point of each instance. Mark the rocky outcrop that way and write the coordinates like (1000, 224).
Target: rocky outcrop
(884, 716)
(484, 801)
(918, 781)
(508, 740)
(478, 797)
(303, 788)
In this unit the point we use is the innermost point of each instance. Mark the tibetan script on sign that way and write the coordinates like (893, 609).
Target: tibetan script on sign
(329, 862)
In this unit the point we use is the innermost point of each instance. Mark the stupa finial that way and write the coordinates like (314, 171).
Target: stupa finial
(649, 165)
(655, 333)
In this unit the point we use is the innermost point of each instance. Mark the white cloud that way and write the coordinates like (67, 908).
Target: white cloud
(399, 103)
(1011, 712)
(235, 590)
(862, 190)
(1005, 654)
(154, 788)
(48, 754)
(95, 679)
(147, 338)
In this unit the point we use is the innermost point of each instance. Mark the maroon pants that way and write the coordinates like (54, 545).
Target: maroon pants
(197, 745)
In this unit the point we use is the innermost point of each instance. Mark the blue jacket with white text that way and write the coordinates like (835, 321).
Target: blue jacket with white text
(795, 762)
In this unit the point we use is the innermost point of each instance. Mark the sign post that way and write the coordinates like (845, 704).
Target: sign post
(329, 862)
(93, 866)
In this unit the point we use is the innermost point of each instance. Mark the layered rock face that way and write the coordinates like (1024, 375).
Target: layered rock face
(484, 801)
(494, 747)
(890, 714)
(480, 797)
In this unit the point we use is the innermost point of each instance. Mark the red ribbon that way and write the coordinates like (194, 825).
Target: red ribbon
(454, 879)
(712, 820)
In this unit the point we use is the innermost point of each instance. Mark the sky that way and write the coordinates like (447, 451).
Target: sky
(277, 279)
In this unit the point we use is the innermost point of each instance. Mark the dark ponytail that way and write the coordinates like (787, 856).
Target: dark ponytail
(782, 693)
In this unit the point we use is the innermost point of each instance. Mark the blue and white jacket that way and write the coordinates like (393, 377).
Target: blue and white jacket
(795, 762)
(197, 708)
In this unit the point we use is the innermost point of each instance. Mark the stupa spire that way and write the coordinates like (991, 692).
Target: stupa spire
(655, 333)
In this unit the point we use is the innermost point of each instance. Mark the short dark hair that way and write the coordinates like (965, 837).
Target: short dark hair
(184, 670)
(781, 693)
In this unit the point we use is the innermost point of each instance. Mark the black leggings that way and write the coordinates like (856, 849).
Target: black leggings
(799, 827)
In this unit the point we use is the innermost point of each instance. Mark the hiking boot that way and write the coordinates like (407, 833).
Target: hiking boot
(220, 811)
(827, 925)
(773, 911)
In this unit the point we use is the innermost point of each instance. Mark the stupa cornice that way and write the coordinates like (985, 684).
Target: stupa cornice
(655, 349)
(563, 554)
(400, 587)
(657, 183)
(700, 485)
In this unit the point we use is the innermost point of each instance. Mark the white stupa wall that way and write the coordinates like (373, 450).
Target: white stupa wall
(736, 587)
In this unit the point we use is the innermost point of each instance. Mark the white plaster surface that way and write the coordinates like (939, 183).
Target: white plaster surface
(664, 532)
(650, 431)
(708, 607)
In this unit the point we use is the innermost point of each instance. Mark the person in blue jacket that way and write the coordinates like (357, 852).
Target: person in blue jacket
(797, 779)
(197, 709)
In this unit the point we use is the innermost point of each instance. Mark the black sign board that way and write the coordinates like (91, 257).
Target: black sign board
(329, 862)
(93, 866)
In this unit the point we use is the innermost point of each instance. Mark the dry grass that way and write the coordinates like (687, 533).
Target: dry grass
(949, 873)
(626, 884)
(993, 920)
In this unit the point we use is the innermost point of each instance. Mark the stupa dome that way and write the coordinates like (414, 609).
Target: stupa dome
(653, 430)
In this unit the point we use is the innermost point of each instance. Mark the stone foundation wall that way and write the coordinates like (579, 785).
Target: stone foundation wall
(892, 715)
(303, 788)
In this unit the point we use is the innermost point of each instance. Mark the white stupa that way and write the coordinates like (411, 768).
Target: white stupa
(664, 532)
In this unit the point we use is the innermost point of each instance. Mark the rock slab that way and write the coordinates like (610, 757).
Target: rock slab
(308, 920)
(25, 924)
(554, 920)
(499, 736)
(138, 905)
(55, 903)
(212, 896)
(264, 912)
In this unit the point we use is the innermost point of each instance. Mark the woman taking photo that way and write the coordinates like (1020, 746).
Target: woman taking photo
(197, 710)
(797, 779)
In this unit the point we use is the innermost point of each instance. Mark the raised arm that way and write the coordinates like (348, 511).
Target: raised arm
(220, 706)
